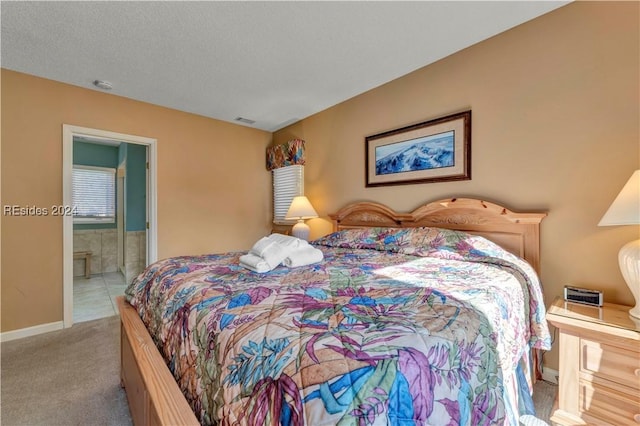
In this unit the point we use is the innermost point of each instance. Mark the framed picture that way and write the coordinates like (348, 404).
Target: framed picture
(433, 151)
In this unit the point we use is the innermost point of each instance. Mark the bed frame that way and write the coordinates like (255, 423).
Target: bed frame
(154, 396)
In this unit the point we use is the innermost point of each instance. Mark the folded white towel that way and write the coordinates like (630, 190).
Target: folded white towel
(276, 253)
(254, 263)
(288, 241)
(259, 247)
(303, 256)
(269, 252)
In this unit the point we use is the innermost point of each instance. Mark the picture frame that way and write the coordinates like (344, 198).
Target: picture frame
(437, 150)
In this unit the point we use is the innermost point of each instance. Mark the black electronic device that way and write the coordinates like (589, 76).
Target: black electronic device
(583, 295)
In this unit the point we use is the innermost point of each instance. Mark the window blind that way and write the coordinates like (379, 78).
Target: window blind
(94, 194)
(288, 182)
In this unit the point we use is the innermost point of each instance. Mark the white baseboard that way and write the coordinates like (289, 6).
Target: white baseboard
(549, 375)
(30, 331)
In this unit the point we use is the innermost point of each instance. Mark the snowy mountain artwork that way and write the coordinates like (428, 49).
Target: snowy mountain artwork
(424, 153)
(437, 150)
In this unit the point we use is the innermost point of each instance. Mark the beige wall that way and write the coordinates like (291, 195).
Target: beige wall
(555, 128)
(213, 187)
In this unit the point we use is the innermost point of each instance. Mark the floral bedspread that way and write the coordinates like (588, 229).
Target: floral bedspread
(395, 327)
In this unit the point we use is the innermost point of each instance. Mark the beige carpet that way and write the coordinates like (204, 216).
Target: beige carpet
(544, 395)
(66, 377)
(71, 377)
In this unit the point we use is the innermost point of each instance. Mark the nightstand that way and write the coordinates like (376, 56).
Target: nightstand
(599, 374)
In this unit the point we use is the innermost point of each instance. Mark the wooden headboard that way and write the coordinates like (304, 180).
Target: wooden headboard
(518, 233)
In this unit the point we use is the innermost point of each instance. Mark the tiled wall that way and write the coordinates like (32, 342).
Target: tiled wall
(103, 245)
(135, 254)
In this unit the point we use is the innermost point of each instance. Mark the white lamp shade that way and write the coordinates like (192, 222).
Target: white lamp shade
(625, 209)
(300, 208)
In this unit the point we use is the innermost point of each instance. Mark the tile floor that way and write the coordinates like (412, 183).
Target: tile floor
(95, 297)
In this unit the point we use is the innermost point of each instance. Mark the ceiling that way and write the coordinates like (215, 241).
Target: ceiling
(271, 62)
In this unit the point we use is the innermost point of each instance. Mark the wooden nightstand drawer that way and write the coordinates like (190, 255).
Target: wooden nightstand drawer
(611, 363)
(615, 407)
(599, 365)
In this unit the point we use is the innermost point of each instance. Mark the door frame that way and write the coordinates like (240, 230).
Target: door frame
(121, 196)
(68, 132)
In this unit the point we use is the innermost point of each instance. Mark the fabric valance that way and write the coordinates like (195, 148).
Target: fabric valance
(286, 154)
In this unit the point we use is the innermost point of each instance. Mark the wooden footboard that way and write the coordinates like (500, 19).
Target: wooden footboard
(153, 394)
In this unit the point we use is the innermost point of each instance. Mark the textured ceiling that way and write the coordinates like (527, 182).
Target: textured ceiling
(272, 62)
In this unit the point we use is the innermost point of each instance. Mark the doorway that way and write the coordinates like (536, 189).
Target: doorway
(141, 240)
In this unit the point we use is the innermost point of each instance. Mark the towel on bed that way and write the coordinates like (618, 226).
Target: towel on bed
(275, 254)
(261, 245)
(303, 256)
(254, 263)
(269, 252)
(288, 241)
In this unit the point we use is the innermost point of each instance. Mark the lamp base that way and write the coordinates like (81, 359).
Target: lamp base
(629, 260)
(301, 230)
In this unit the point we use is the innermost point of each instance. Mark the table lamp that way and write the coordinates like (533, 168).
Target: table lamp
(300, 209)
(625, 210)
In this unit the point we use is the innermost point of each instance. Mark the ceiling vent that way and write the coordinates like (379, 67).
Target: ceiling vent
(102, 84)
(245, 120)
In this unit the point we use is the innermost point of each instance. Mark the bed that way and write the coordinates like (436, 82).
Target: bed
(407, 320)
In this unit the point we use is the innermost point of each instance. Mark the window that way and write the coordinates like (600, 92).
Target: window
(94, 194)
(288, 182)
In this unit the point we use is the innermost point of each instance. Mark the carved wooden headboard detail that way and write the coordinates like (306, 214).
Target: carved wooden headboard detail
(518, 233)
